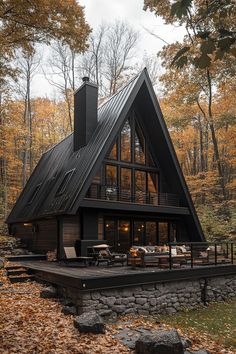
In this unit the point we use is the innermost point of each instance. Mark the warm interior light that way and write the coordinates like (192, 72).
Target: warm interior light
(126, 229)
(27, 224)
(107, 225)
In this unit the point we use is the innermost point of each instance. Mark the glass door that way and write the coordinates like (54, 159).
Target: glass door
(151, 233)
(138, 233)
(110, 232)
(123, 236)
(163, 233)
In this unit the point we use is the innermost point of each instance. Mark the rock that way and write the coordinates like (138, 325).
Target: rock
(69, 310)
(200, 351)
(141, 301)
(1, 263)
(89, 322)
(160, 342)
(48, 292)
(105, 313)
(186, 342)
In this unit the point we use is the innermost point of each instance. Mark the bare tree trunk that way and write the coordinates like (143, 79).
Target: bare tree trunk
(202, 162)
(3, 167)
(213, 135)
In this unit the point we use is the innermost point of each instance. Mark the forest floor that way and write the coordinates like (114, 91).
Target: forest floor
(30, 324)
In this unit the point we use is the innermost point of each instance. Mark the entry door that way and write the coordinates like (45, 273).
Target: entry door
(139, 233)
(117, 234)
(163, 232)
(123, 235)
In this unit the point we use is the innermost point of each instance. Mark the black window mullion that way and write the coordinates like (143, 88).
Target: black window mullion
(118, 182)
(157, 228)
(132, 137)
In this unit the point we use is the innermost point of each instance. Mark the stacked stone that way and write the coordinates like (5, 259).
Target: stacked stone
(161, 298)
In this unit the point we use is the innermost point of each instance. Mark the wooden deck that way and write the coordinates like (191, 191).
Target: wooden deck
(104, 277)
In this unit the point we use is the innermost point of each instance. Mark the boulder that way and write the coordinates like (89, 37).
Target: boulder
(69, 310)
(1, 263)
(200, 351)
(89, 322)
(186, 342)
(160, 342)
(48, 292)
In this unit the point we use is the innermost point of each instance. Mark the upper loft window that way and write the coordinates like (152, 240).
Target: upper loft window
(35, 193)
(65, 182)
(125, 137)
(139, 145)
(131, 145)
(113, 153)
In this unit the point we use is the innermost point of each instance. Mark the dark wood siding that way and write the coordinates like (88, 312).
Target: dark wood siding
(22, 231)
(39, 236)
(46, 235)
(71, 230)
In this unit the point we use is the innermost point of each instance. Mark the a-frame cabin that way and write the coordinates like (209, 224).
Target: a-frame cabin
(116, 179)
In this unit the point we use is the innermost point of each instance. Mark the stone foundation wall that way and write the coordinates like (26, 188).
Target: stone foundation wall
(154, 298)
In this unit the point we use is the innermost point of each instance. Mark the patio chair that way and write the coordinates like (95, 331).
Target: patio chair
(102, 254)
(72, 257)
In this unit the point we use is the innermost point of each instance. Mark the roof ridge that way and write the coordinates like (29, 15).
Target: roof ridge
(121, 89)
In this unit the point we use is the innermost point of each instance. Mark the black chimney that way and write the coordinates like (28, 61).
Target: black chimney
(85, 113)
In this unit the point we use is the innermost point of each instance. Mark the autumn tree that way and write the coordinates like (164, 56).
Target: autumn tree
(210, 28)
(24, 23)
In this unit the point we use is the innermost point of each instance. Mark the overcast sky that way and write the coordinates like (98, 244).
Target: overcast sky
(131, 11)
(97, 11)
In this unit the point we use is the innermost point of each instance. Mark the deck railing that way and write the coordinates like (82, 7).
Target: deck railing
(203, 253)
(186, 255)
(113, 193)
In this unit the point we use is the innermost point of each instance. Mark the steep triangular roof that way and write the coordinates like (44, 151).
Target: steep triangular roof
(53, 165)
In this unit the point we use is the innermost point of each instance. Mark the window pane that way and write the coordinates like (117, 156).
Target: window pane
(113, 153)
(125, 180)
(151, 233)
(110, 232)
(163, 232)
(139, 230)
(152, 188)
(111, 182)
(139, 145)
(140, 186)
(123, 235)
(111, 175)
(173, 232)
(126, 142)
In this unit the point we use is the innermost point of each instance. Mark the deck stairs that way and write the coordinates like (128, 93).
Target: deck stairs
(18, 274)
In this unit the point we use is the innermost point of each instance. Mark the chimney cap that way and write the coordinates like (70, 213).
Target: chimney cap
(85, 79)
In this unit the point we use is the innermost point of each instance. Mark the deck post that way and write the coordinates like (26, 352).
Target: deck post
(170, 259)
(215, 254)
(191, 248)
(59, 238)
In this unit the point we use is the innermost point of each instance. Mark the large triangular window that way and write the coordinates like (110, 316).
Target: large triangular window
(128, 173)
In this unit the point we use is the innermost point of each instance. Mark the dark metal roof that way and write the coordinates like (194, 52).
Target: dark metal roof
(60, 159)
(139, 95)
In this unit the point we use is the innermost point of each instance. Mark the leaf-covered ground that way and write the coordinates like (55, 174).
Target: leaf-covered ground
(30, 324)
